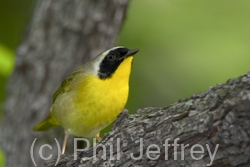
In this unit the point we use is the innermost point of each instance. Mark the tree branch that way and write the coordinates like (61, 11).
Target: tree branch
(217, 120)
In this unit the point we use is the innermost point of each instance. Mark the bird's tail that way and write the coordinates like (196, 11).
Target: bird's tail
(47, 124)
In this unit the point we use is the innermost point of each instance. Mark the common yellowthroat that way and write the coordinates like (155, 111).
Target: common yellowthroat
(91, 97)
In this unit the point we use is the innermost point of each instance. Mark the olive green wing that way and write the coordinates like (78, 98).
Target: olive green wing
(67, 83)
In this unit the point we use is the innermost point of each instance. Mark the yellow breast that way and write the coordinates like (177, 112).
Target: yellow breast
(94, 103)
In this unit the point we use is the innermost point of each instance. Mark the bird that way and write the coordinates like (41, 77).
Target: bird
(91, 97)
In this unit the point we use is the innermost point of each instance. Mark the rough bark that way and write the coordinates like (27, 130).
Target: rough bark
(218, 116)
(61, 35)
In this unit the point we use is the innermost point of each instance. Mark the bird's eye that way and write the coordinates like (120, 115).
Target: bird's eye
(111, 57)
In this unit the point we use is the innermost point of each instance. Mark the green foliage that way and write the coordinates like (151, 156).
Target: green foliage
(6, 60)
(2, 158)
(13, 16)
(186, 47)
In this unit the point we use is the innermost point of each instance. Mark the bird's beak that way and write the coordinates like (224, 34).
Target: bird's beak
(131, 53)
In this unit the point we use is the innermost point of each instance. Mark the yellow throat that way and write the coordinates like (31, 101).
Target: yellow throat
(96, 108)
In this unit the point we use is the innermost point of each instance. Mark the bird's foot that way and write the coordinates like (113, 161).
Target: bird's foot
(97, 136)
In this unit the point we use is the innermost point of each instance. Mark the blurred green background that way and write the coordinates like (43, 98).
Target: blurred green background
(186, 46)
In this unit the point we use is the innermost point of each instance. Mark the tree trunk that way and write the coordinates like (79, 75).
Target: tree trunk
(211, 128)
(62, 35)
